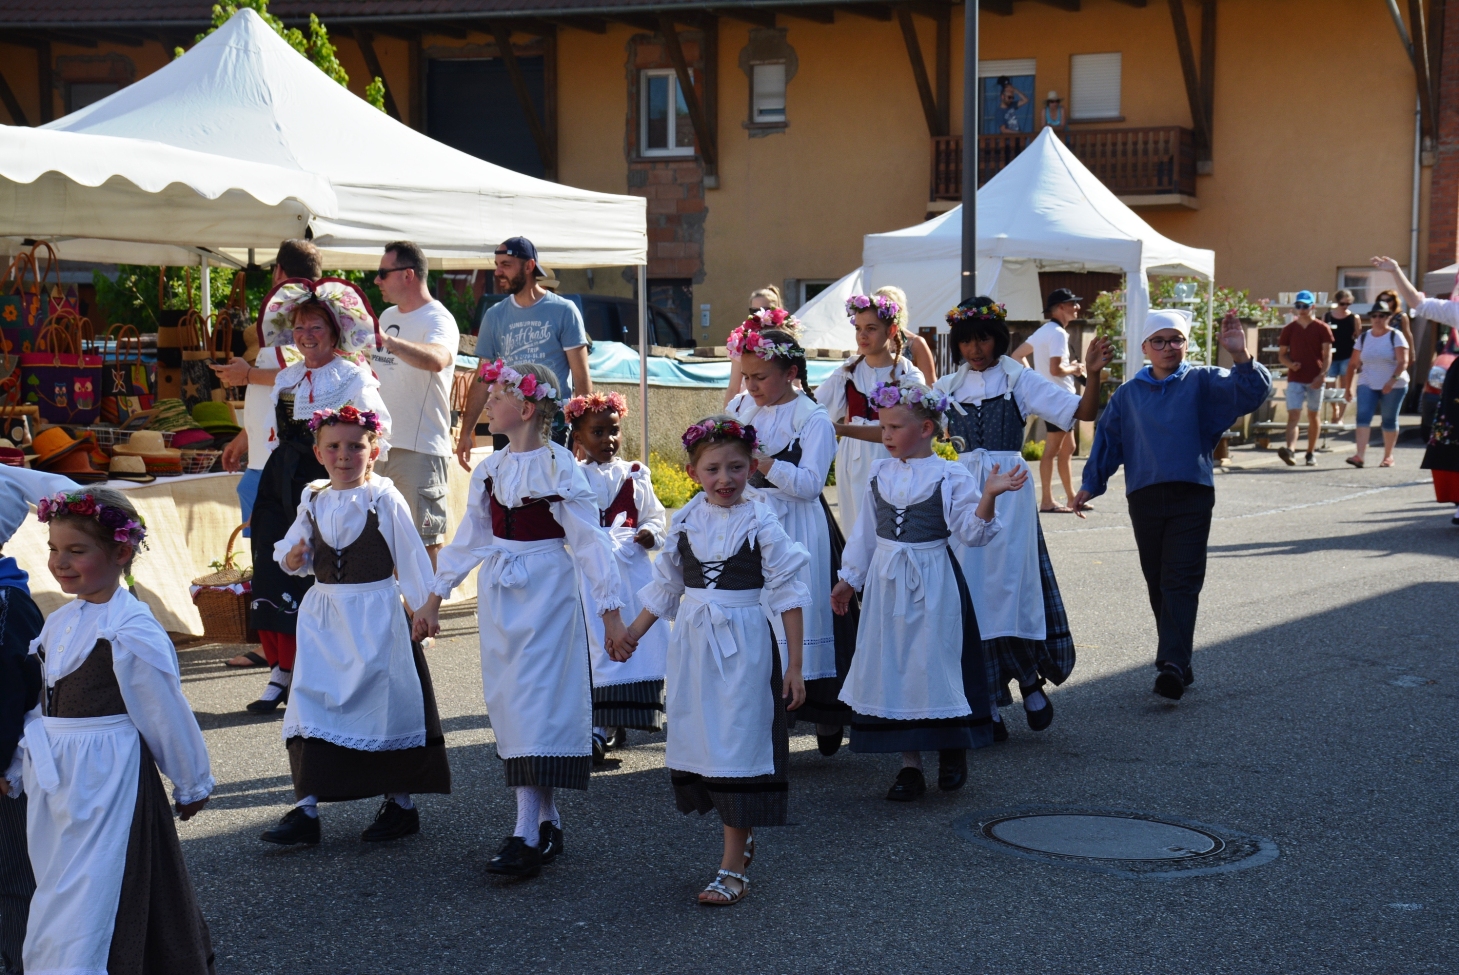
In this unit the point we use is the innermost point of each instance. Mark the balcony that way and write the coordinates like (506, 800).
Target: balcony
(1143, 167)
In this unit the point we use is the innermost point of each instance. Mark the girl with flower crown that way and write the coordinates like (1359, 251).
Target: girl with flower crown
(361, 719)
(1020, 612)
(846, 393)
(766, 311)
(797, 444)
(112, 891)
(919, 680)
(727, 566)
(332, 326)
(526, 505)
(626, 694)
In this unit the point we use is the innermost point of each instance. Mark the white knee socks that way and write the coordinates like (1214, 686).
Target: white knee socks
(912, 760)
(529, 801)
(310, 805)
(279, 677)
(1034, 701)
(401, 799)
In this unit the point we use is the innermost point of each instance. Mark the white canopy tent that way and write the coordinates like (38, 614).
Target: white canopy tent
(1044, 212)
(106, 194)
(245, 94)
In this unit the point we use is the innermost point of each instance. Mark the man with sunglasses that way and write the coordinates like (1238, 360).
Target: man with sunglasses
(1163, 426)
(1305, 348)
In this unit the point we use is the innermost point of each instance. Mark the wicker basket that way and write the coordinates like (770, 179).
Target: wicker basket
(199, 461)
(225, 612)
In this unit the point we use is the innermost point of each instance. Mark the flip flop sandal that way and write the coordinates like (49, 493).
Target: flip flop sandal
(254, 660)
(1386, 462)
(1355, 461)
(1057, 509)
(716, 886)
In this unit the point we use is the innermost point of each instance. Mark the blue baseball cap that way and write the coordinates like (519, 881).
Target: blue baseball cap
(523, 249)
(1301, 297)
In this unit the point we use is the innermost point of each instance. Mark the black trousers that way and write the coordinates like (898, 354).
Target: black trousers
(1172, 523)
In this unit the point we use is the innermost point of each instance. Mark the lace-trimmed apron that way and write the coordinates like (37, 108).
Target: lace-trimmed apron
(285, 476)
(909, 630)
(534, 648)
(1023, 647)
(354, 614)
(135, 914)
(725, 709)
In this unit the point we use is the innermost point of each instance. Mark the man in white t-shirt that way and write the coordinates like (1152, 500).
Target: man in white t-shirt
(1049, 348)
(415, 369)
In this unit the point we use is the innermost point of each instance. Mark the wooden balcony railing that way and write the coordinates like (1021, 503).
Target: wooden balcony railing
(1158, 161)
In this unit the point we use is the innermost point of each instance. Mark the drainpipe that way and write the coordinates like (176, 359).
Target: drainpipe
(1417, 175)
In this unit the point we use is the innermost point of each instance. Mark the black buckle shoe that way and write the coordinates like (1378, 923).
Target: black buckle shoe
(297, 826)
(391, 823)
(516, 859)
(1190, 676)
(619, 738)
(952, 769)
(549, 841)
(1043, 717)
(1000, 732)
(600, 749)
(909, 785)
(1170, 683)
(269, 707)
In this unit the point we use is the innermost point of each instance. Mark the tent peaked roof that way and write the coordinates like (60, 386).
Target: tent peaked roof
(243, 92)
(1047, 206)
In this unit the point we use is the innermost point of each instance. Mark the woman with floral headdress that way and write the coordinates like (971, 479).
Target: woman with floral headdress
(1021, 617)
(766, 311)
(332, 326)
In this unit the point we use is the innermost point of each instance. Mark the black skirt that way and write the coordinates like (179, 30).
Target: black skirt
(823, 704)
(638, 705)
(276, 594)
(1030, 663)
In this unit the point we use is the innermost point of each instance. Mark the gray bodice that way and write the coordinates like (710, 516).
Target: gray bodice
(791, 455)
(995, 424)
(740, 571)
(919, 522)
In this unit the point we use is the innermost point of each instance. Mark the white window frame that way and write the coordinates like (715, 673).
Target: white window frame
(783, 117)
(1078, 113)
(672, 150)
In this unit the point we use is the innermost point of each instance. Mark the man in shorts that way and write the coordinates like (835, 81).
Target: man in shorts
(415, 369)
(1305, 348)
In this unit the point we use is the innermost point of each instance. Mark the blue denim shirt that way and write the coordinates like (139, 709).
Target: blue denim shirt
(1166, 429)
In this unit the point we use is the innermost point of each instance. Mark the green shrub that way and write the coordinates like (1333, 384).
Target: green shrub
(671, 484)
(1034, 450)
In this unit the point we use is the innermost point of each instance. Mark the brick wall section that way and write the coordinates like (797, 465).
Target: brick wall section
(1444, 189)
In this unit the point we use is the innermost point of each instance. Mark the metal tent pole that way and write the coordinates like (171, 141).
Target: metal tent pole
(970, 148)
(207, 288)
(643, 359)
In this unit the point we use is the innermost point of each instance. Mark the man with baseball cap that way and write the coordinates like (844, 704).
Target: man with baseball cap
(1305, 348)
(1163, 426)
(531, 325)
(1049, 349)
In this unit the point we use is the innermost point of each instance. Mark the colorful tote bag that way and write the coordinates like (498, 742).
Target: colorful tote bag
(62, 378)
(127, 384)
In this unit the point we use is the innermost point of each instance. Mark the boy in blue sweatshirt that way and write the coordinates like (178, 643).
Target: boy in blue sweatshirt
(1163, 425)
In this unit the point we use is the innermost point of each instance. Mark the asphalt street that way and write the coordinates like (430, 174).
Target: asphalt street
(1323, 719)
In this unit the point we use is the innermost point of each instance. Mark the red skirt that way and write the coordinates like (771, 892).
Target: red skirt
(1446, 487)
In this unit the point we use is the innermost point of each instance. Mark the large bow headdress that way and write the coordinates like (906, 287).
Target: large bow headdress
(354, 319)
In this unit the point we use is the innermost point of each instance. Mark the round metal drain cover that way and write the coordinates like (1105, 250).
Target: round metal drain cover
(1120, 842)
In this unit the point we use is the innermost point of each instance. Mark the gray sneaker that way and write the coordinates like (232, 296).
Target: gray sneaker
(1286, 455)
(1311, 461)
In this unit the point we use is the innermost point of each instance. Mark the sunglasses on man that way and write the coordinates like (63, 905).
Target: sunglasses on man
(1301, 306)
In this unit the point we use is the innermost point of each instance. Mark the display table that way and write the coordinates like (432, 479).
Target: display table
(189, 519)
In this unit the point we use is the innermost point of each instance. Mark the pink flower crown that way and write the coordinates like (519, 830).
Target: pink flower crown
(123, 527)
(595, 403)
(757, 344)
(526, 386)
(886, 309)
(887, 395)
(720, 430)
(757, 321)
(368, 419)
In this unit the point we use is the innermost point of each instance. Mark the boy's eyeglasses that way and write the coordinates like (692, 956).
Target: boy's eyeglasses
(1160, 344)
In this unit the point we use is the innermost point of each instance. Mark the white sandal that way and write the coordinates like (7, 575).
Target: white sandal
(749, 851)
(716, 886)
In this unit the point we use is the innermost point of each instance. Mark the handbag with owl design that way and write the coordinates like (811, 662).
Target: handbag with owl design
(62, 378)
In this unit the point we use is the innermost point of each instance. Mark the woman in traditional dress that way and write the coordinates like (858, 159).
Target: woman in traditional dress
(630, 693)
(526, 505)
(919, 680)
(112, 891)
(1020, 612)
(796, 447)
(361, 719)
(331, 324)
(1442, 455)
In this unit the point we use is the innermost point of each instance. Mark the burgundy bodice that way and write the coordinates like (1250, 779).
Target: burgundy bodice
(528, 522)
(623, 502)
(858, 405)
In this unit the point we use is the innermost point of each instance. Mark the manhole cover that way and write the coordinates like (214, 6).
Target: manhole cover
(1120, 842)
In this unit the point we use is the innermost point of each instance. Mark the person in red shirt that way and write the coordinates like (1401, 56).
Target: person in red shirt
(1305, 348)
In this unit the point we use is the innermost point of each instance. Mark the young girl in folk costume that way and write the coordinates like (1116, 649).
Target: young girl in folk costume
(628, 694)
(766, 311)
(112, 892)
(526, 505)
(1020, 612)
(846, 394)
(361, 719)
(919, 680)
(727, 564)
(796, 446)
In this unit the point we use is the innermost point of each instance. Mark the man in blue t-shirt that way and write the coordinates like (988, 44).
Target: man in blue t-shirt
(531, 325)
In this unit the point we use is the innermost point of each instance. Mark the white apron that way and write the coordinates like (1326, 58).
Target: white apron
(81, 775)
(909, 649)
(1003, 576)
(355, 684)
(636, 570)
(853, 469)
(534, 653)
(718, 708)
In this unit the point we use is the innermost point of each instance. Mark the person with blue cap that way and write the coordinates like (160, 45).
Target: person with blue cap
(1305, 348)
(1163, 426)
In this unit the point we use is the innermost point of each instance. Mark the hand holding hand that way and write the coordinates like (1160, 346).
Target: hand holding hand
(295, 558)
(999, 482)
(792, 689)
(186, 811)
(425, 623)
(234, 372)
(1080, 503)
(841, 595)
(613, 630)
(644, 538)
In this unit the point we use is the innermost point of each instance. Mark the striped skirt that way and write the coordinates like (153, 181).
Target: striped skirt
(1031, 663)
(638, 705)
